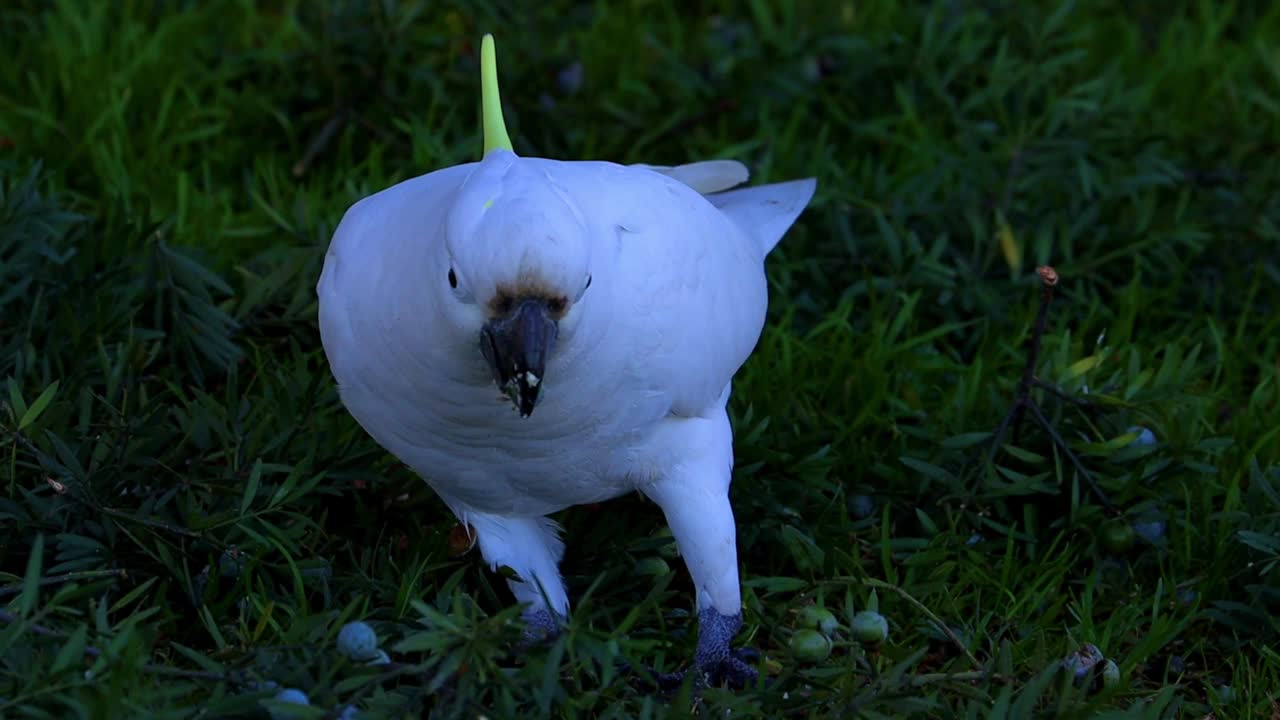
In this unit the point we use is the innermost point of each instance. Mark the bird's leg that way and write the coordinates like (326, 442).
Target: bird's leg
(531, 548)
(694, 496)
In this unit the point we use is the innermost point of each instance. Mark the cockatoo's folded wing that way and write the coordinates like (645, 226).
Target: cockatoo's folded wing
(706, 176)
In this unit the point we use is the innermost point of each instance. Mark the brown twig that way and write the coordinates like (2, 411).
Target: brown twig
(320, 141)
(151, 523)
(972, 676)
(67, 577)
(1065, 396)
(91, 651)
(1022, 401)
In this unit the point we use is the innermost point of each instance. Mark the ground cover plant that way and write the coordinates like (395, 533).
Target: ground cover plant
(190, 521)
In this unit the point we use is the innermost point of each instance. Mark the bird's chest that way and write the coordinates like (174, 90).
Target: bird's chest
(473, 447)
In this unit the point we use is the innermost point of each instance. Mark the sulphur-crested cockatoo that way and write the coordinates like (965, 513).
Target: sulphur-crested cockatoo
(610, 305)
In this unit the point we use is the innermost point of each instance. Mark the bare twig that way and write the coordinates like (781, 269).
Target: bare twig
(151, 523)
(1075, 459)
(973, 676)
(1065, 396)
(1049, 280)
(1022, 401)
(67, 577)
(91, 651)
(320, 141)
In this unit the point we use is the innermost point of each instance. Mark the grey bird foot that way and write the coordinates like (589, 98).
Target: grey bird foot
(714, 662)
(734, 671)
(541, 626)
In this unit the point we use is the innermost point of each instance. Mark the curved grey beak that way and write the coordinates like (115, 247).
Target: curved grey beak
(517, 347)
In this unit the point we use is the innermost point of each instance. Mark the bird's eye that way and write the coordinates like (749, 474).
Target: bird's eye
(584, 287)
(453, 279)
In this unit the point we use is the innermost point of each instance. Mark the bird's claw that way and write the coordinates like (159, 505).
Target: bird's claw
(541, 627)
(715, 663)
(734, 671)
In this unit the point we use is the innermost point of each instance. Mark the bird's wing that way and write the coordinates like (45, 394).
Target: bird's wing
(687, 285)
(705, 176)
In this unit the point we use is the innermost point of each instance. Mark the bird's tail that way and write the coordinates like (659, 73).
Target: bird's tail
(766, 212)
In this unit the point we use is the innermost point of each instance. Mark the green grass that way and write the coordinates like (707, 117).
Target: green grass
(169, 186)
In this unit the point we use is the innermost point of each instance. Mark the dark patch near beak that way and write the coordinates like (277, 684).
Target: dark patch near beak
(517, 347)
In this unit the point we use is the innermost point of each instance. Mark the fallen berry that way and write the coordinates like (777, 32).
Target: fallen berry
(358, 641)
(817, 618)
(1080, 662)
(1110, 674)
(1145, 438)
(349, 712)
(861, 506)
(230, 565)
(869, 627)
(1150, 530)
(651, 567)
(810, 645)
(1117, 536)
(288, 695)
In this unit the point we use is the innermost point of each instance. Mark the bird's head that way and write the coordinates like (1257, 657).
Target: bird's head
(518, 260)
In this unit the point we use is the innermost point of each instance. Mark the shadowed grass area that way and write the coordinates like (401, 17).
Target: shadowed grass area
(187, 509)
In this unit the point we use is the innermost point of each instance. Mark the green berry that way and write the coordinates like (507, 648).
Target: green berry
(1110, 674)
(652, 567)
(1117, 536)
(669, 548)
(809, 645)
(818, 618)
(358, 641)
(869, 627)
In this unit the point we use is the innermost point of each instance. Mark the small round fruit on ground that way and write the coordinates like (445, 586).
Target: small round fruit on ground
(808, 645)
(1110, 674)
(358, 641)
(869, 626)
(293, 696)
(817, 618)
(861, 506)
(1117, 536)
(651, 566)
(1150, 530)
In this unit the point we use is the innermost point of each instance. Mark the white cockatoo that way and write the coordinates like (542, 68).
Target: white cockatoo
(529, 334)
